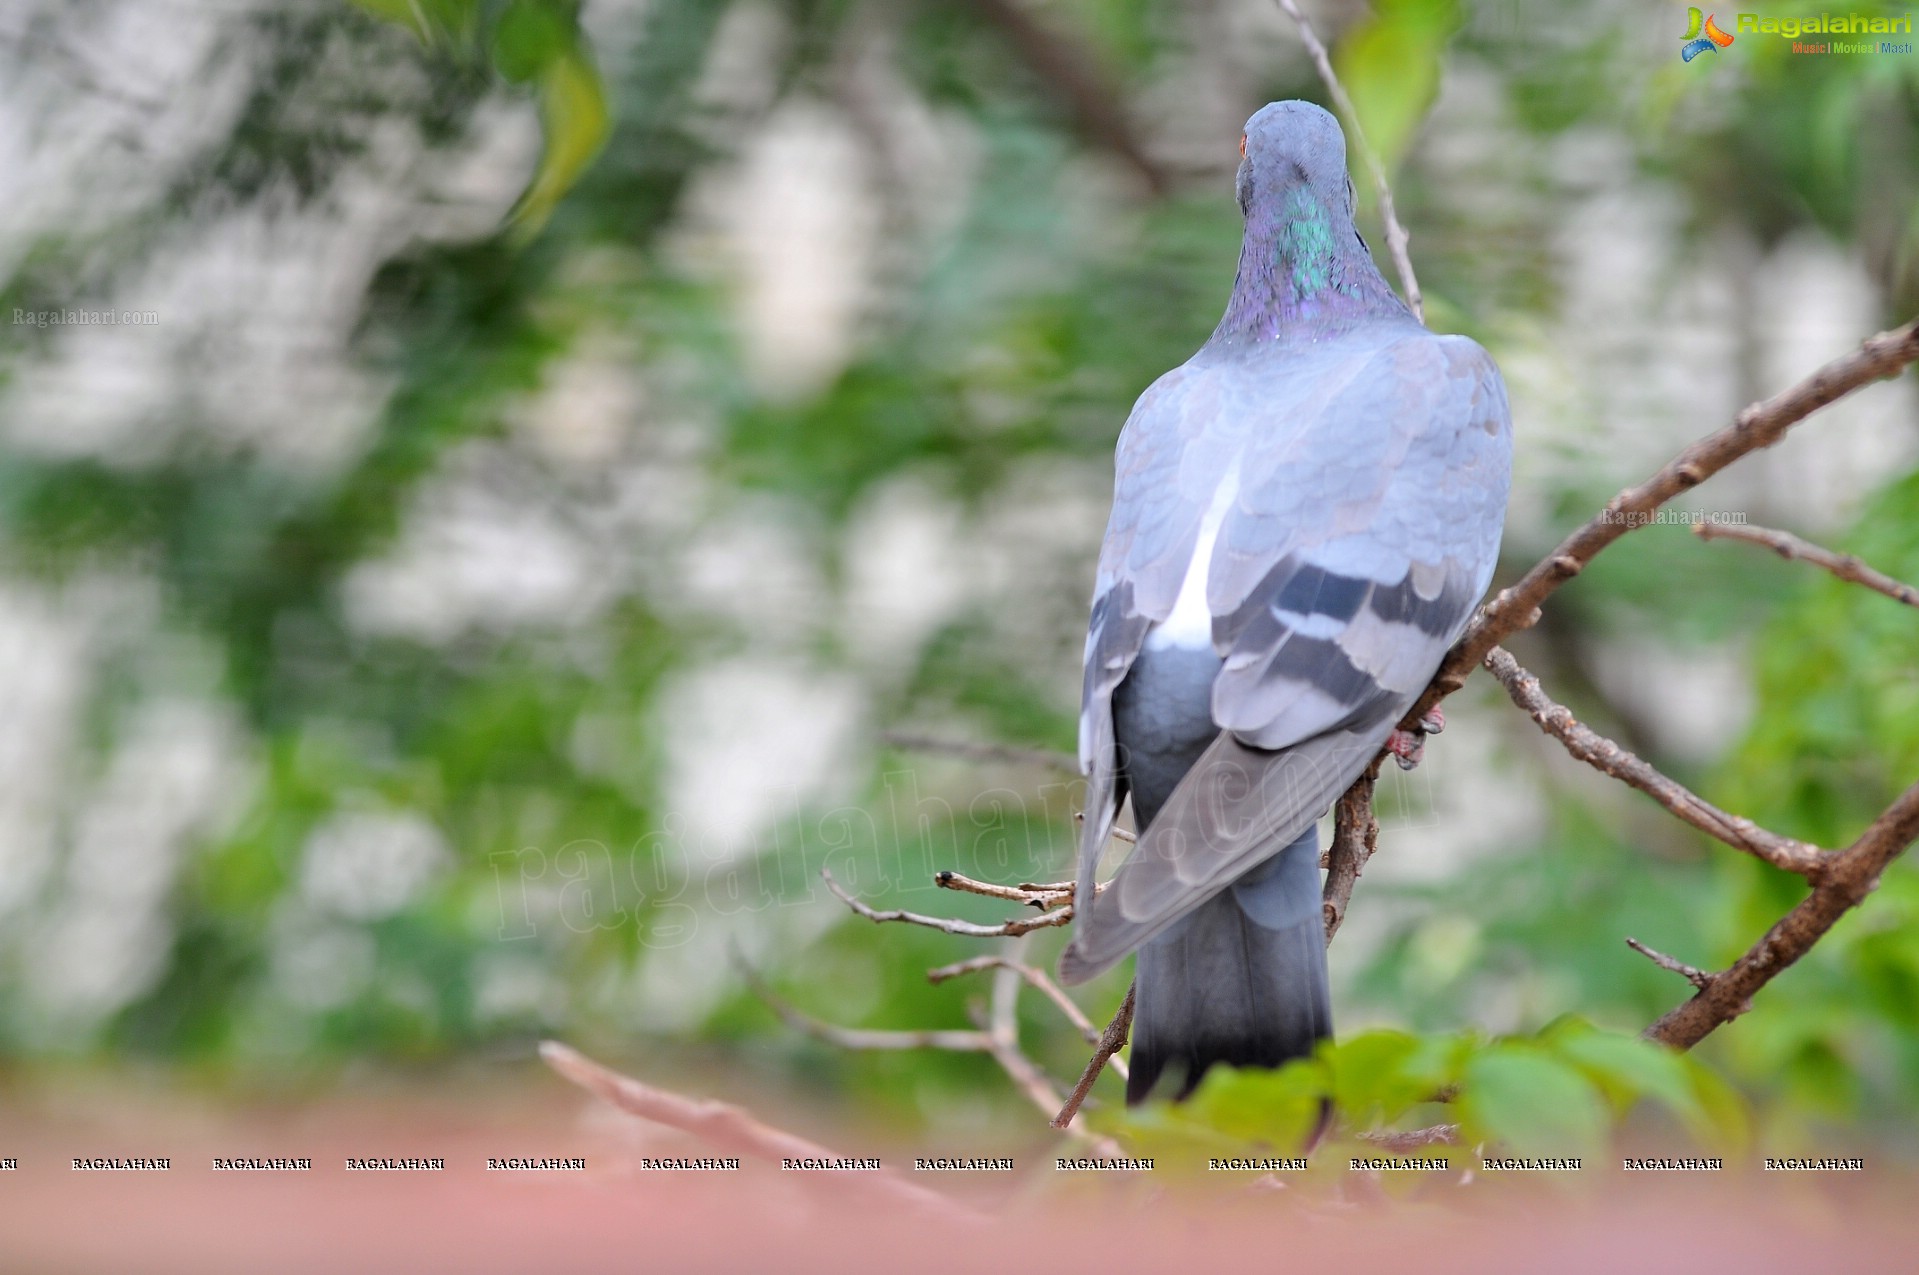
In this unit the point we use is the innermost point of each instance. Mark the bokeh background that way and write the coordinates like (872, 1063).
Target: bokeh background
(565, 453)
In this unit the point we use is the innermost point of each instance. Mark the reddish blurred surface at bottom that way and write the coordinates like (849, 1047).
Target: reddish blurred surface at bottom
(466, 1218)
(479, 1226)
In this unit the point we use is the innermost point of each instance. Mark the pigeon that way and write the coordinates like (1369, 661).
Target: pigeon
(1304, 515)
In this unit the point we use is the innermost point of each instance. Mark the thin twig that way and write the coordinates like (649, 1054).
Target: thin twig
(1045, 897)
(1608, 758)
(733, 1131)
(1117, 834)
(1006, 929)
(1759, 425)
(1414, 1139)
(1396, 237)
(1111, 1041)
(1853, 876)
(1691, 973)
(1039, 981)
(906, 741)
(861, 1038)
(1787, 545)
(1001, 1027)
(1003, 1044)
(997, 1037)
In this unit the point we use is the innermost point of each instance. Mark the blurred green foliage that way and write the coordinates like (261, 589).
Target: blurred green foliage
(1558, 1093)
(1013, 340)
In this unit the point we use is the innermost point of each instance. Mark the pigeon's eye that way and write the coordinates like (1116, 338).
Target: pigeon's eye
(1242, 146)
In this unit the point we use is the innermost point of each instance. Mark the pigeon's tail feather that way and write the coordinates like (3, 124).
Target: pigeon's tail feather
(1213, 832)
(1239, 980)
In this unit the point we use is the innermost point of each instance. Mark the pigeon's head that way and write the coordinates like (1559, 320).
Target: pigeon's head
(1293, 150)
(1303, 267)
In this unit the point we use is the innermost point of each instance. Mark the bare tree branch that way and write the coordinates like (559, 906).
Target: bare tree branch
(1396, 237)
(1853, 876)
(1692, 974)
(951, 925)
(733, 1131)
(1111, 1041)
(1759, 425)
(1608, 758)
(1787, 545)
(1355, 838)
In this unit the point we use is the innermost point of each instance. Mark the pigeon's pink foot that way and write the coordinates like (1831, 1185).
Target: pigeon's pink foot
(1409, 746)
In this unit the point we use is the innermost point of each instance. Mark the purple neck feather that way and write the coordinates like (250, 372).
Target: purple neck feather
(1303, 273)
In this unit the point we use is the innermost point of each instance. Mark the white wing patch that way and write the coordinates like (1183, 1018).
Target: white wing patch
(1191, 621)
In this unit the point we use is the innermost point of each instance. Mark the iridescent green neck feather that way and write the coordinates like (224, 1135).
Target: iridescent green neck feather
(1303, 270)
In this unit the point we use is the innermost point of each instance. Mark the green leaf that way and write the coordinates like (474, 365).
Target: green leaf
(1627, 1068)
(1519, 1096)
(1275, 1108)
(1727, 1119)
(1378, 1075)
(430, 20)
(574, 116)
(1390, 65)
(530, 36)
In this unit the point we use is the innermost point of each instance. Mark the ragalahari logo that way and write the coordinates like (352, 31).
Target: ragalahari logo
(1701, 36)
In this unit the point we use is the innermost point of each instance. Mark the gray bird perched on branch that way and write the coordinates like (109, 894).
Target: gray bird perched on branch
(1304, 514)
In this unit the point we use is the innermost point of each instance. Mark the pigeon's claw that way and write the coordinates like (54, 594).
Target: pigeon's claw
(1408, 747)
